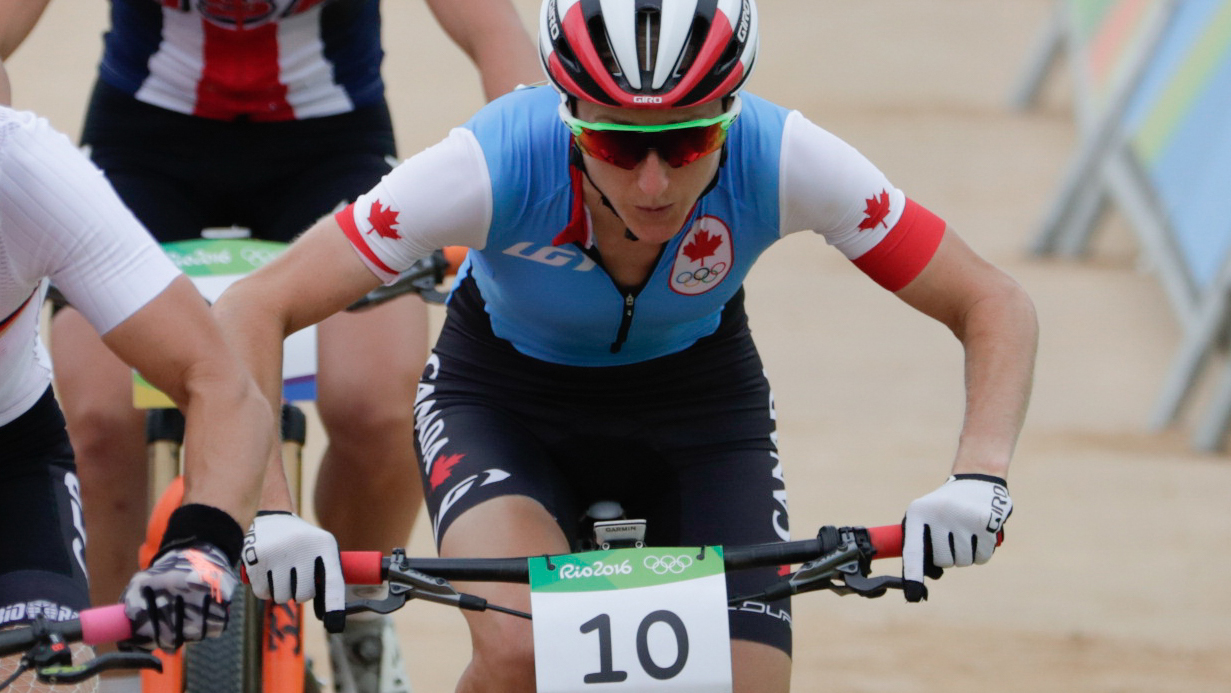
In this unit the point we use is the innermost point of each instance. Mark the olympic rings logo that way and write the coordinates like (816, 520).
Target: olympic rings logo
(661, 565)
(258, 256)
(701, 275)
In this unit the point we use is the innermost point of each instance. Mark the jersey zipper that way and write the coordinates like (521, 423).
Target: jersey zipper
(626, 321)
(629, 296)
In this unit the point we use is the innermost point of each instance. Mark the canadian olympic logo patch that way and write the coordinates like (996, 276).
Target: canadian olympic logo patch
(704, 258)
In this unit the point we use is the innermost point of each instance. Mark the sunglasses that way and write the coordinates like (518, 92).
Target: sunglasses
(623, 145)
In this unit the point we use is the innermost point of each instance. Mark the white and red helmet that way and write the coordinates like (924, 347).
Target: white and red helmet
(648, 53)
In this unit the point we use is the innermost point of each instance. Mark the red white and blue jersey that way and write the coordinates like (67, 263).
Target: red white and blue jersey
(260, 60)
(502, 185)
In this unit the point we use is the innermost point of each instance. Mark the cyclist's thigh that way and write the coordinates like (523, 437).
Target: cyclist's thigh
(42, 540)
(472, 453)
(736, 497)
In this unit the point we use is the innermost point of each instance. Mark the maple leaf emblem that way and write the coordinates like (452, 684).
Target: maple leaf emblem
(875, 212)
(383, 219)
(701, 246)
(442, 468)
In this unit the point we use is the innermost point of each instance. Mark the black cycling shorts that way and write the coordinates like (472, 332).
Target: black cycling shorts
(685, 441)
(181, 173)
(42, 537)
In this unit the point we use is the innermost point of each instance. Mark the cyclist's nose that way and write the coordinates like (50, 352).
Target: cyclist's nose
(652, 173)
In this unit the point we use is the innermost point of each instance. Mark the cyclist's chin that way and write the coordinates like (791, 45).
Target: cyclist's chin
(658, 229)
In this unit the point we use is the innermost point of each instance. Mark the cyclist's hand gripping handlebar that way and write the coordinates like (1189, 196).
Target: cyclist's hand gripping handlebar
(183, 597)
(288, 559)
(959, 524)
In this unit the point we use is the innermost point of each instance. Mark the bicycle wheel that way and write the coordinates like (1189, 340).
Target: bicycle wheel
(229, 663)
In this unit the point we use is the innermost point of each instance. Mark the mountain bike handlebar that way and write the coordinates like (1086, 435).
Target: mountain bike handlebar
(44, 646)
(373, 567)
(838, 560)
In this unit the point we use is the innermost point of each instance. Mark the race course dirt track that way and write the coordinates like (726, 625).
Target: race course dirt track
(1114, 575)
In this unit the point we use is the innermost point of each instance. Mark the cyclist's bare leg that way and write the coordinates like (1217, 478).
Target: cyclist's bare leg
(108, 437)
(759, 668)
(368, 491)
(503, 649)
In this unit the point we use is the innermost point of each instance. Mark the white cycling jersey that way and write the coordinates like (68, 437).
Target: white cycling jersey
(61, 221)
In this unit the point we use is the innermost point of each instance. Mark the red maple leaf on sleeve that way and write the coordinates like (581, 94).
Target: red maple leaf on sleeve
(442, 468)
(875, 212)
(383, 219)
(702, 246)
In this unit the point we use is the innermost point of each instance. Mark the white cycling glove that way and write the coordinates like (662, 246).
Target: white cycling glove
(185, 594)
(288, 559)
(955, 525)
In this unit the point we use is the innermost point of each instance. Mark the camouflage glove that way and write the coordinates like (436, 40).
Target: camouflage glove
(185, 594)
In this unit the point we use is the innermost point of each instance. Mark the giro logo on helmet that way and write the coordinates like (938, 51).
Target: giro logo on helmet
(647, 99)
(553, 22)
(745, 22)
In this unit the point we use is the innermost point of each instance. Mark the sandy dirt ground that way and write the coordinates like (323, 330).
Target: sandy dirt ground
(1114, 575)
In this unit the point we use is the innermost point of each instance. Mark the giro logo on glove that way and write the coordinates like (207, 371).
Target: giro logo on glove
(185, 596)
(954, 526)
(1001, 507)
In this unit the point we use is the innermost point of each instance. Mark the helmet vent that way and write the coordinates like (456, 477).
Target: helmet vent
(696, 38)
(602, 46)
(648, 23)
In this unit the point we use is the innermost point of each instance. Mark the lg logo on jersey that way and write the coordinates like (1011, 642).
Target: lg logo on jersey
(551, 255)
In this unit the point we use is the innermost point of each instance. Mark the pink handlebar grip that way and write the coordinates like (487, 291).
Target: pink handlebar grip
(362, 567)
(105, 624)
(887, 540)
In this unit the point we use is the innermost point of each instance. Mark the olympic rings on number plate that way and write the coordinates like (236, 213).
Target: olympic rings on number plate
(661, 565)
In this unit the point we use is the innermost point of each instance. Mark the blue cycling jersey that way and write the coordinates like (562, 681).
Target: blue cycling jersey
(502, 184)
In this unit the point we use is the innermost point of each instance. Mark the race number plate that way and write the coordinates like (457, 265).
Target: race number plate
(213, 265)
(652, 619)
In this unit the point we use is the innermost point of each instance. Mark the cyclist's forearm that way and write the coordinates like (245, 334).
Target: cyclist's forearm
(1000, 337)
(493, 36)
(257, 333)
(229, 430)
(227, 436)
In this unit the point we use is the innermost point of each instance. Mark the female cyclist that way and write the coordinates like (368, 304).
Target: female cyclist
(596, 340)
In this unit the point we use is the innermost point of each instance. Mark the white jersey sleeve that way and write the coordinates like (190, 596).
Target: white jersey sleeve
(442, 196)
(65, 221)
(827, 186)
(60, 219)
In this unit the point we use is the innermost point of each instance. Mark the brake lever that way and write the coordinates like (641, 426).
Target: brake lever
(406, 583)
(61, 673)
(845, 570)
